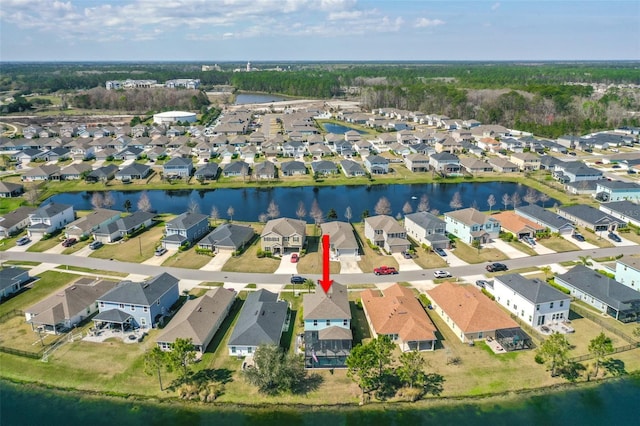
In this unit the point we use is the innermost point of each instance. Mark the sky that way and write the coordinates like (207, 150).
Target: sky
(212, 31)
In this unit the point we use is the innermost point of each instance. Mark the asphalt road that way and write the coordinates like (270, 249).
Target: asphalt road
(245, 277)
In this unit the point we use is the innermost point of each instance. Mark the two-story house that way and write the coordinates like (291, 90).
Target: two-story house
(417, 162)
(187, 228)
(178, 166)
(533, 301)
(49, 218)
(384, 231)
(526, 161)
(607, 191)
(445, 163)
(327, 327)
(397, 313)
(472, 225)
(628, 272)
(261, 321)
(342, 241)
(376, 165)
(283, 235)
(138, 304)
(427, 229)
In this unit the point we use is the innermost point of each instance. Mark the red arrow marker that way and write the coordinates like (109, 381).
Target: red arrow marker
(325, 282)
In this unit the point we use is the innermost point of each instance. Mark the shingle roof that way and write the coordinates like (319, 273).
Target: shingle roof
(290, 166)
(469, 309)
(50, 210)
(384, 222)
(285, 226)
(260, 320)
(229, 235)
(197, 317)
(545, 216)
(398, 311)
(426, 220)
(535, 290)
(469, 216)
(514, 223)
(324, 306)
(590, 214)
(18, 215)
(144, 293)
(340, 235)
(186, 220)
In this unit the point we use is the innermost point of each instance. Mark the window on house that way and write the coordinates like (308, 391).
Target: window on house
(133, 308)
(145, 309)
(315, 323)
(537, 307)
(345, 322)
(233, 349)
(551, 305)
(328, 323)
(121, 306)
(561, 303)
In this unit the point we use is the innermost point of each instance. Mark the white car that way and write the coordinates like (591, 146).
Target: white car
(441, 274)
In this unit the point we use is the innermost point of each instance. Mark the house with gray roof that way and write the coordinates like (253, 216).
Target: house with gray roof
(603, 293)
(617, 190)
(591, 218)
(178, 166)
(49, 218)
(533, 301)
(198, 319)
(342, 241)
(75, 171)
(626, 211)
(15, 221)
(502, 165)
(228, 236)
(417, 162)
(445, 162)
(264, 170)
(187, 228)
(385, 231)
(628, 271)
(376, 165)
(207, 172)
(327, 327)
(11, 281)
(283, 235)
(261, 321)
(575, 172)
(127, 225)
(138, 304)
(546, 218)
(86, 225)
(351, 169)
(472, 225)
(10, 190)
(581, 187)
(68, 307)
(293, 168)
(133, 171)
(102, 174)
(236, 168)
(40, 173)
(427, 229)
(324, 167)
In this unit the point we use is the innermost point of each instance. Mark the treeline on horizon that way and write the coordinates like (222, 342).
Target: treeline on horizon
(533, 98)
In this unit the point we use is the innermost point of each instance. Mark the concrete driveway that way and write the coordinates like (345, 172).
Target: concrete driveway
(22, 249)
(57, 249)
(159, 260)
(583, 245)
(218, 261)
(453, 260)
(623, 243)
(286, 267)
(406, 264)
(83, 252)
(349, 265)
(540, 249)
(506, 248)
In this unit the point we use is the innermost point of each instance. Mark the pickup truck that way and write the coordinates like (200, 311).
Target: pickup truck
(385, 270)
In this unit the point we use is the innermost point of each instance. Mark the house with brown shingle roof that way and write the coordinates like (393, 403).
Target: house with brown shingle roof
(398, 314)
(385, 231)
(470, 224)
(470, 314)
(327, 327)
(517, 225)
(199, 319)
(283, 235)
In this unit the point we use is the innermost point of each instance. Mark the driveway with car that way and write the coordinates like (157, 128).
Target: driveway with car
(286, 267)
(582, 244)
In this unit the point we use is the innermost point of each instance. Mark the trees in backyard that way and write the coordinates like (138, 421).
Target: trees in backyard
(316, 213)
(108, 200)
(554, 352)
(144, 204)
(181, 356)
(215, 215)
(275, 371)
(531, 196)
(230, 212)
(423, 205)
(506, 200)
(154, 361)
(348, 214)
(600, 346)
(301, 212)
(97, 200)
(407, 209)
(516, 200)
(491, 201)
(383, 206)
(456, 201)
(332, 214)
(273, 211)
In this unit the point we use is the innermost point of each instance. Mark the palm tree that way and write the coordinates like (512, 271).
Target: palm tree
(585, 260)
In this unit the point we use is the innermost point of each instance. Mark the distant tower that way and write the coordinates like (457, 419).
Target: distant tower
(248, 66)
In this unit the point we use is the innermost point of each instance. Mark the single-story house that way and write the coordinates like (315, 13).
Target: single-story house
(15, 221)
(12, 280)
(126, 225)
(591, 218)
(626, 211)
(517, 225)
(228, 236)
(133, 171)
(86, 225)
(342, 241)
(10, 190)
(546, 218)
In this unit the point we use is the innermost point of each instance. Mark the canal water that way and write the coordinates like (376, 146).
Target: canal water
(249, 203)
(611, 403)
(256, 98)
(338, 129)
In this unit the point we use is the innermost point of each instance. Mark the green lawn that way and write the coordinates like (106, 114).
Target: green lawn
(473, 255)
(187, 259)
(44, 245)
(558, 244)
(136, 249)
(249, 261)
(10, 204)
(311, 262)
(371, 258)
(48, 282)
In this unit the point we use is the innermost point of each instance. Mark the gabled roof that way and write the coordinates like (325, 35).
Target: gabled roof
(8, 276)
(50, 210)
(510, 221)
(209, 169)
(323, 165)
(469, 309)
(340, 234)
(590, 214)
(264, 167)
(134, 169)
(126, 223)
(601, 287)
(535, 290)
(11, 219)
(197, 317)
(260, 320)
(229, 235)
(376, 159)
(426, 220)
(289, 166)
(144, 293)
(179, 162)
(10, 187)
(384, 222)
(444, 156)
(469, 216)
(285, 226)
(624, 208)
(237, 167)
(398, 311)
(93, 219)
(351, 167)
(619, 185)
(545, 216)
(186, 220)
(327, 306)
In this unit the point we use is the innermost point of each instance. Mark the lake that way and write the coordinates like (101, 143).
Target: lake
(614, 403)
(339, 128)
(249, 203)
(256, 98)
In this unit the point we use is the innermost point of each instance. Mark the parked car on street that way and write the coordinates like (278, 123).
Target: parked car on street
(297, 279)
(441, 274)
(614, 237)
(440, 252)
(495, 267)
(23, 240)
(385, 270)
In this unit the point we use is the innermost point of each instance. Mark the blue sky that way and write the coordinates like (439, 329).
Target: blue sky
(212, 31)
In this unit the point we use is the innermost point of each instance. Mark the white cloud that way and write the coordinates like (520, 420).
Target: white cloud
(426, 22)
(495, 6)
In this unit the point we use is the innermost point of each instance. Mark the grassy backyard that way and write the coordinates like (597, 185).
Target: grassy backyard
(43, 286)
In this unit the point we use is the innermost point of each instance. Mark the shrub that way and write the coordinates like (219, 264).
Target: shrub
(424, 300)
(489, 295)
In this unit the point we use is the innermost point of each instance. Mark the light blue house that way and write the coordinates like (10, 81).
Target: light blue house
(327, 327)
(617, 191)
(472, 225)
(138, 305)
(186, 228)
(628, 272)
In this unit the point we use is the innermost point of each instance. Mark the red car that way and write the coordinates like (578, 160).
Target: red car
(69, 242)
(294, 258)
(385, 270)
